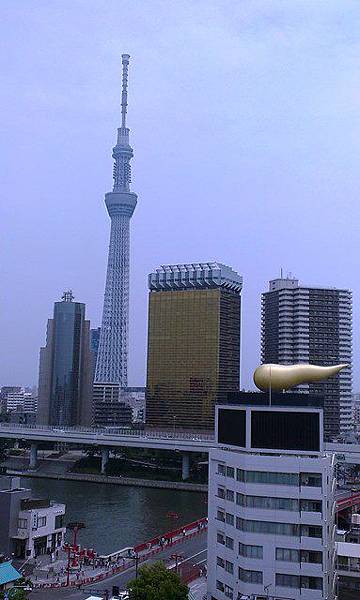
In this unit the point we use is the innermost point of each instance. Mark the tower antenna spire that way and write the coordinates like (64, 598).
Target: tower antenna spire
(125, 63)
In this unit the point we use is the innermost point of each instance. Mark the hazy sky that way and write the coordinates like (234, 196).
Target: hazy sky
(245, 123)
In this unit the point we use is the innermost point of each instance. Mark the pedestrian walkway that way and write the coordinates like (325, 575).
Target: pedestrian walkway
(63, 573)
(198, 589)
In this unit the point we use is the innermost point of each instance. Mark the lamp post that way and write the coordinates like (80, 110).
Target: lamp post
(135, 557)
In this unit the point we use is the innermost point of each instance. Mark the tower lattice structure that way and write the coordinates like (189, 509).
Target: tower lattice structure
(111, 364)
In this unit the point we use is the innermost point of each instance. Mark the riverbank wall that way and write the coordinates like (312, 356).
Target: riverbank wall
(128, 481)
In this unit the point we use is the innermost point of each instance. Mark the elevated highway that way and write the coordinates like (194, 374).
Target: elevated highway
(184, 442)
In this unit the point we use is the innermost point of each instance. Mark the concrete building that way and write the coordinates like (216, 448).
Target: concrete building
(356, 410)
(193, 343)
(21, 401)
(109, 410)
(271, 503)
(4, 392)
(111, 365)
(302, 324)
(135, 398)
(28, 527)
(65, 374)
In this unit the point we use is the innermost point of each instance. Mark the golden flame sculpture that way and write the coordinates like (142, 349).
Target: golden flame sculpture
(284, 377)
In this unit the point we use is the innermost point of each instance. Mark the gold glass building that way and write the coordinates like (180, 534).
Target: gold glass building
(193, 343)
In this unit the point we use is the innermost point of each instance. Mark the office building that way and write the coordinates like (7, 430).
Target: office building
(28, 527)
(4, 393)
(193, 343)
(302, 324)
(20, 401)
(111, 365)
(109, 409)
(271, 502)
(65, 367)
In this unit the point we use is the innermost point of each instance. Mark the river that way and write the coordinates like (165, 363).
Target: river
(117, 516)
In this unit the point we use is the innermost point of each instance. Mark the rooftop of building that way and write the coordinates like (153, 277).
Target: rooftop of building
(194, 276)
(291, 283)
(286, 399)
(8, 573)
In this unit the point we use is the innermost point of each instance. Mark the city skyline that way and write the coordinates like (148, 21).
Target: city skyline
(265, 158)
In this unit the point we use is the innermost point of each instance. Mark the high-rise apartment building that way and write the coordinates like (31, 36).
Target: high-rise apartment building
(65, 373)
(302, 324)
(109, 409)
(193, 343)
(111, 365)
(271, 503)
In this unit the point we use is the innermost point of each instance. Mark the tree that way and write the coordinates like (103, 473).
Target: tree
(155, 582)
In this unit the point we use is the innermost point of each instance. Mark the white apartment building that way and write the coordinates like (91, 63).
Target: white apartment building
(29, 527)
(304, 324)
(271, 511)
(21, 401)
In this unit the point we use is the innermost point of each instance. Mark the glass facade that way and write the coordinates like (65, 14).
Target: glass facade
(66, 375)
(193, 355)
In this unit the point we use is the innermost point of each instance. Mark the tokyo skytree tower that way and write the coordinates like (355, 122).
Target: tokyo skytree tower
(111, 364)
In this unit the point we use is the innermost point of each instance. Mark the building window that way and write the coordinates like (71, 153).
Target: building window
(311, 556)
(288, 555)
(59, 521)
(290, 581)
(229, 592)
(314, 531)
(220, 515)
(311, 583)
(311, 479)
(229, 567)
(229, 542)
(22, 523)
(250, 551)
(267, 477)
(296, 581)
(266, 502)
(311, 505)
(41, 521)
(220, 538)
(229, 519)
(230, 496)
(289, 529)
(230, 472)
(221, 469)
(220, 586)
(221, 492)
(250, 576)
(220, 562)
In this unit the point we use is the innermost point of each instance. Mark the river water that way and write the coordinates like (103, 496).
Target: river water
(117, 516)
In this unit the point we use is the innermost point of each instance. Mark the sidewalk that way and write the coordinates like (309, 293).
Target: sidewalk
(198, 589)
(54, 574)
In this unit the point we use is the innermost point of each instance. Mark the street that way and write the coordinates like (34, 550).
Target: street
(191, 549)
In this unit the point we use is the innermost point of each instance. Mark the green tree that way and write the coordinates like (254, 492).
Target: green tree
(155, 582)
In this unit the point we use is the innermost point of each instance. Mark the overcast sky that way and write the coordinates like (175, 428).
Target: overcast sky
(245, 123)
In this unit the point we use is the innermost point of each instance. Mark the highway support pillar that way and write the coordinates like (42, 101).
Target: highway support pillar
(185, 467)
(33, 456)
(104, 460)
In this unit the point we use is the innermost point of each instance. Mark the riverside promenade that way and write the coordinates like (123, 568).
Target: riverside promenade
(64, 574)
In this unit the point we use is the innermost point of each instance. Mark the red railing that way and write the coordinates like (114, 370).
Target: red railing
(348, 502)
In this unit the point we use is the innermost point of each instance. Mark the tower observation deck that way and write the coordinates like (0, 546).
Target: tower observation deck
(111, 364)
